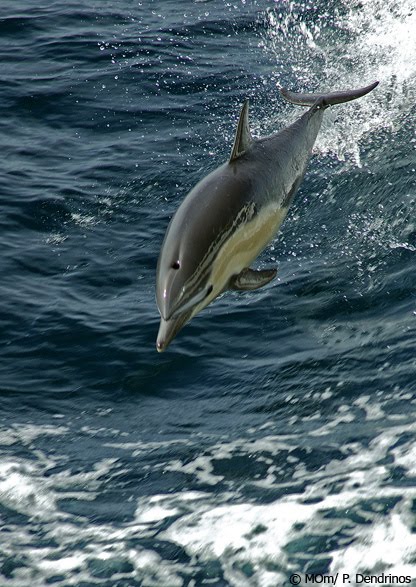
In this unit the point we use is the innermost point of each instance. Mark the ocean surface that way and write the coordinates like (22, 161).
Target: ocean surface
(277, 434)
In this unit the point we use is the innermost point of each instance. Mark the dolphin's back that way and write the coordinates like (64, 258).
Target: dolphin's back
(278, 162)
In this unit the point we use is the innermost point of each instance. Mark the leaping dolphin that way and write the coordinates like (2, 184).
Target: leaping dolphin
(230, 216)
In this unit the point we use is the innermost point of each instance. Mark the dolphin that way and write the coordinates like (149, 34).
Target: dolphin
(233, 213)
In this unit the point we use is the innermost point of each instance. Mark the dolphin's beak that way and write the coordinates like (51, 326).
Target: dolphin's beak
(168, 329)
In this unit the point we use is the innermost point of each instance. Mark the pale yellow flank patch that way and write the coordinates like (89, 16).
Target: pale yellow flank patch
(243, 246)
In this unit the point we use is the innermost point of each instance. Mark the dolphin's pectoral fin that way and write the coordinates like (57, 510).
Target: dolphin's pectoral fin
(242, 136)
(250, 279)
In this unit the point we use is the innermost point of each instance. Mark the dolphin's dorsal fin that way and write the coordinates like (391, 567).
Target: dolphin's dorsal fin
(242, 136)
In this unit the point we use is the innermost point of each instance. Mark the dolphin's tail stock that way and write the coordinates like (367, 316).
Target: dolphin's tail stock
(325, 100)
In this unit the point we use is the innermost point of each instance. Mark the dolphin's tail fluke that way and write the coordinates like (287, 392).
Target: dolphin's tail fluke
(325, 100)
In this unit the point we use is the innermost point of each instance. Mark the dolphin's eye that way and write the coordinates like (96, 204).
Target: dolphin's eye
(209, 290)
(176, 265)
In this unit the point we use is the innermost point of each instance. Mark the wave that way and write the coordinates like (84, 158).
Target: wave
(346, 45)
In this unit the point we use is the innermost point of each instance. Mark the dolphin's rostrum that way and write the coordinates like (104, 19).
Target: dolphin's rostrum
(230, 216)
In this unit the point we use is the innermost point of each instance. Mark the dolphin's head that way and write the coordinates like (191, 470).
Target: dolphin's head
(168, 329)
(183, 285)
(186, 279)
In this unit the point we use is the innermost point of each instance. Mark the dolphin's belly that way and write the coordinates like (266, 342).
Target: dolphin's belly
(245, 243)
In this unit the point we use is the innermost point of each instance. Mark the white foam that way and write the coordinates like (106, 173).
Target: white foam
(387, 545)
(23, 491)
(252, 532)
(405, 455)
(27, 433)
(153, 570)
(153, 510)
(65, 564)
(244, 533)
(237, 534)
(377, 42)
(252, 542)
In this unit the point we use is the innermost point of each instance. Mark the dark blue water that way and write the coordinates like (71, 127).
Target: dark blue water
(277, 434)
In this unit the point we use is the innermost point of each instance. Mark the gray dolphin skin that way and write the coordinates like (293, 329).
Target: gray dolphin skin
(232, 214)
